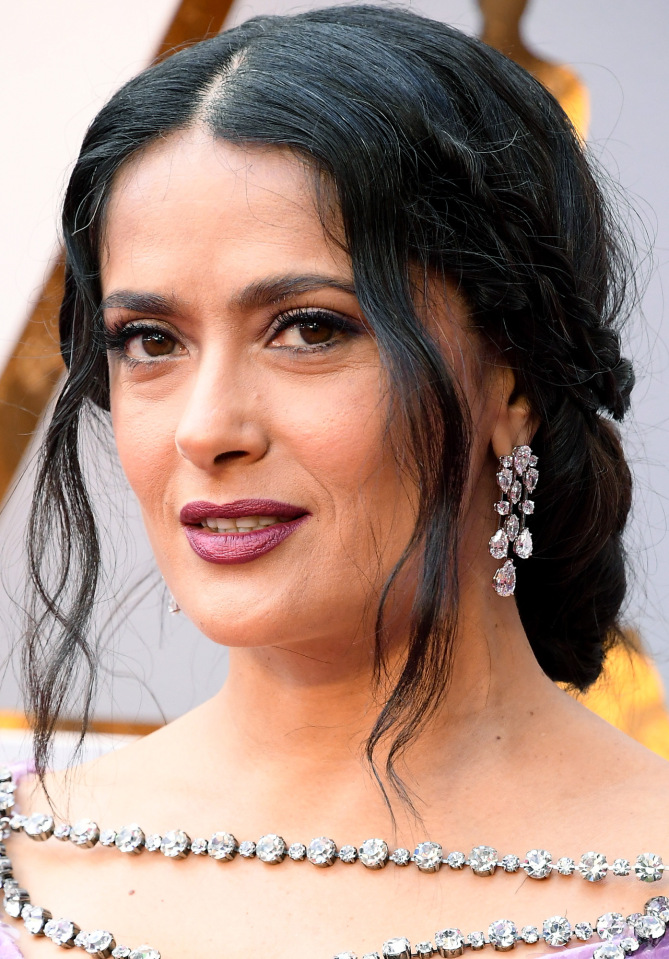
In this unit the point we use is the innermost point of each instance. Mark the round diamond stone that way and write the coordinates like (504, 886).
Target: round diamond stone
(35, 918)
(84, 833)
(510, 863)
(373, 853)
(456, 860)
(538, 864)
(425, 949)
(62, 831)
(401, 857)
(39, 827)
(609, 950)
(399, 948)
(17, 822)
(247, 849)
(99, 943)
(610, 925)
(121, 952)
(629, 944)
(153, 842)
(475, 940)
(199, 847)
(527, 507)
(348, 854)
(502, 934)
(593, 866)
(346, 955)
(648, 867)
(297, 851)
(61, 931)
(145, 952)
(529, 935)
(658, 906)
(175, 844)
(565, 866)
(5, 869)
(15, 899)
(483, 860)
(222, 845)
(5, 774)
(427, 856)
(371, 955)
(322, 852)
(107, 837)
(621, 867)
(557, 931)
(583, 931)
(503, 507)
(271, 848)
(6, 797)
(649, 927)
(449, 942)
(130, 839)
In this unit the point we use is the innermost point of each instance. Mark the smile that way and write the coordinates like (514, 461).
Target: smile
(244, 524)
(241, 531)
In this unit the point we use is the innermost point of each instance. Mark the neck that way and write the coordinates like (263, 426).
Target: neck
(287, 708)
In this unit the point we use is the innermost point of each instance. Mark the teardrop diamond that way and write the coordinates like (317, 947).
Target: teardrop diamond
(499, 544)
(504, 479)
(521, 458)
(504, 580)
(523, 544)
(531, 479)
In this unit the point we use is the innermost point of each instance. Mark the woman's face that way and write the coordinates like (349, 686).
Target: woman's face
(248, 399)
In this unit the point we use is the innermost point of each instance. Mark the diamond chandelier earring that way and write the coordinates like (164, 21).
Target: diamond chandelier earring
(517, 478)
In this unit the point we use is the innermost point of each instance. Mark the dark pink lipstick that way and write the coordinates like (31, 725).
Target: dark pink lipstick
(240, 547)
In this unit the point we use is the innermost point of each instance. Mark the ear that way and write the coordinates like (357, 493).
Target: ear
(516, 421)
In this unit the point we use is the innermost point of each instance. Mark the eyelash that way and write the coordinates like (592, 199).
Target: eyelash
(116, 338)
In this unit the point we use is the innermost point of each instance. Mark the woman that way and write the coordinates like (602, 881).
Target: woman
(328, 272)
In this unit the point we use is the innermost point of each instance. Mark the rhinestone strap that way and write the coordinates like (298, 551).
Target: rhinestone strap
(620, 936)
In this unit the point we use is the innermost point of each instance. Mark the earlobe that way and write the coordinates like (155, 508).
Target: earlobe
(516, 421)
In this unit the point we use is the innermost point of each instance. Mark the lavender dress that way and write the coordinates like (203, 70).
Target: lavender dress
(660, 950)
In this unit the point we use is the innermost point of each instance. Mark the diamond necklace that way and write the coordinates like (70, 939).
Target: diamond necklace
(620, 936)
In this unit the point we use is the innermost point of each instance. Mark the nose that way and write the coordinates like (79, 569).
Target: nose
(222, 417)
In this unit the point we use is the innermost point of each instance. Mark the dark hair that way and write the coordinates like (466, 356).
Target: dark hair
(445, 157)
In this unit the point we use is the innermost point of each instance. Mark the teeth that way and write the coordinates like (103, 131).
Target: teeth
(243, 524)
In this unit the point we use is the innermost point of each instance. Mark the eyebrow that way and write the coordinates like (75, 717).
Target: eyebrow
(260, 293)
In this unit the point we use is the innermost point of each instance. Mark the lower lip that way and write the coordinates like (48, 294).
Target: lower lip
(229, 549)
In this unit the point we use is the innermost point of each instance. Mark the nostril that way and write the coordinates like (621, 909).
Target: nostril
(230, 455)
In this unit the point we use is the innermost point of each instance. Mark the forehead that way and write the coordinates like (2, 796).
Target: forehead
(215, 209)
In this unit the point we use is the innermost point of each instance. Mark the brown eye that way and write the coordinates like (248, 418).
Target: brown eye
(157, 344)
(314, 332)
(151, 343)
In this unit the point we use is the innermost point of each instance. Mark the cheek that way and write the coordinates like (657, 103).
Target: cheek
(144, 441)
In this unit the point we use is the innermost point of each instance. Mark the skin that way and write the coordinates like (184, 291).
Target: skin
(234, 412)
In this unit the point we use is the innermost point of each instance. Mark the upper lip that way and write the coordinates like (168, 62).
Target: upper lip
(199, 510)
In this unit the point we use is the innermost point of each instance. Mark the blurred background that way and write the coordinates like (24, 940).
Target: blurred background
(606, 62)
